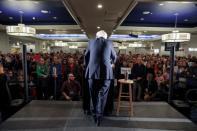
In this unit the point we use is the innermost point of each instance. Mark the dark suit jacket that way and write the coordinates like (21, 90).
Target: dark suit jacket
(99, 57)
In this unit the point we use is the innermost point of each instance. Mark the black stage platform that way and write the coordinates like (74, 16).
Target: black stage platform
(68, 116)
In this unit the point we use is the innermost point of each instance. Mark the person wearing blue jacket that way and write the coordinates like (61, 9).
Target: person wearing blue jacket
(100, 58)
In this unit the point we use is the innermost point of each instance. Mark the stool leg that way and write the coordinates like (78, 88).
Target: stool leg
(119, 99)
(130, 101)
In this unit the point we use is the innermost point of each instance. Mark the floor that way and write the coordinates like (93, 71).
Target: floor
(68, 116)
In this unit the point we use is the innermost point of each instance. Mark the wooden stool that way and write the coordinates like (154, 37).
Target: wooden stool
(125, 95)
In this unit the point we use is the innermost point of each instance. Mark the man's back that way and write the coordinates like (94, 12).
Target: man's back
(98, 56)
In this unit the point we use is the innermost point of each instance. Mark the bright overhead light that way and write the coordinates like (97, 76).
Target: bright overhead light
(186, 20)
(21, 12)
(33, 18)
(176, 37)
(55, 18)
(98, 27)
(73, 47)
(44, 11)
(0, 11)
(11, 18)
(135, 45)
(99, 6)
(175, 31)
(146, 12)
(36, 2)
(122, 47)
(141, 19)
(182, 2)
(20, 30)
(161, 4)
(176, 14)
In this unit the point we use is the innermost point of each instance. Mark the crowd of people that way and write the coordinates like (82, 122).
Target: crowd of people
(61, 76)
(52, 73)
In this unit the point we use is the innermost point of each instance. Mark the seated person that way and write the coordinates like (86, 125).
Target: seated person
(150, 87)
(160, 79)
(71, 88)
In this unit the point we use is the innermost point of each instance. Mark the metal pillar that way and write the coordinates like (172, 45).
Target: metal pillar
(172, 62)
(25, 73)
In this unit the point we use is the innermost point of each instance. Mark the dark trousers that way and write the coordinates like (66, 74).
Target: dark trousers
(56, 84)
(86, 95)
(42, 89)
(99, 89)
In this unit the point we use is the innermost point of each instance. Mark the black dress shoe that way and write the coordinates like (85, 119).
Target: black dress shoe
(89, 113)
(98, 122)
(95, 119)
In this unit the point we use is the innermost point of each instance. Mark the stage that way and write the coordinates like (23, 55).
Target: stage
(68, 116)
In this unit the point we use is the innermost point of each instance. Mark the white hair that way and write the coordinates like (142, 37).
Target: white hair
(101, 33)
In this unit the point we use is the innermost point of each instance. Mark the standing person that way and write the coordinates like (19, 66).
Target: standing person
(100, 57)
(72, 67)
(42, 72)
(139, 75)
(4, 96)
(56, 77)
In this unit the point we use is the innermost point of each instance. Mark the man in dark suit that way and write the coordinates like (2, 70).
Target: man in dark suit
(100, 57)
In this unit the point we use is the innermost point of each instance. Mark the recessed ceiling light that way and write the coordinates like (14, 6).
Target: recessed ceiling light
(146, 12)
(21, 12)
(98, 27)
(44, 11)
(11, 18)
(141, 19)
(36, 2)
(33, 18)
(176, 14)
(0, 11)
(55, 18)
(99, 6)
(186, 20)
(161, 4)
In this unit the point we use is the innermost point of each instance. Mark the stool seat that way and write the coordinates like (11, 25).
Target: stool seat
(123, 81)
(125, 95)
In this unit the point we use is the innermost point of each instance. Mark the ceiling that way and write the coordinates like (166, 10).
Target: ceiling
(116, 16)
(89, 17)
(35, 12)
(162, 14)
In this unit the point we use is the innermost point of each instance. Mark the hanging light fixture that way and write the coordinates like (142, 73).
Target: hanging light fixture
(20, 29)
(176, 36)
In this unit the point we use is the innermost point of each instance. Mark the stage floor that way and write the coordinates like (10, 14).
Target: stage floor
(68, 116)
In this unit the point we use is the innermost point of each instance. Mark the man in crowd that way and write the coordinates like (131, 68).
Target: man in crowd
(56, 77)
(42, 75)
(139, 75)
(71, 88)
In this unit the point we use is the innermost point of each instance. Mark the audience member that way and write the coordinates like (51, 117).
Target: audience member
(71, 88)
